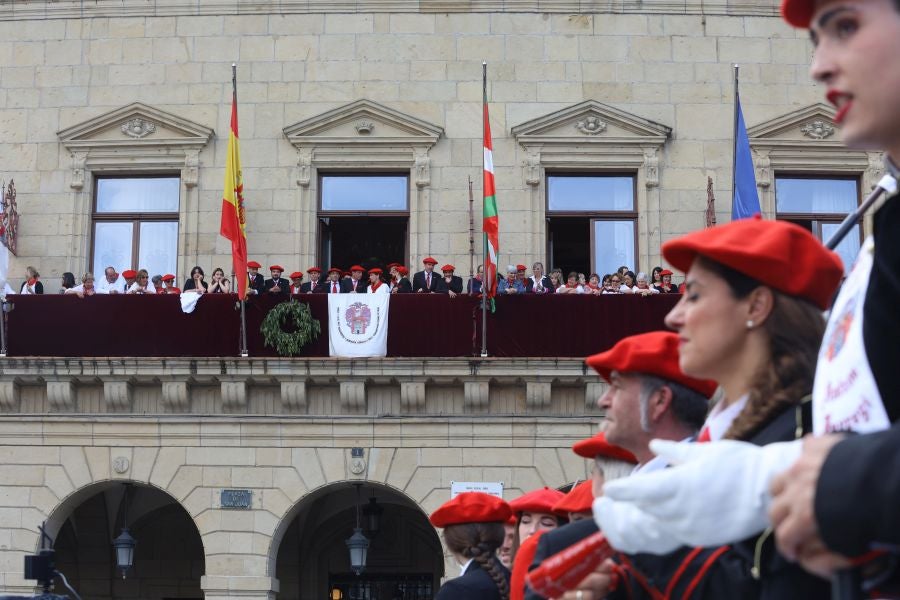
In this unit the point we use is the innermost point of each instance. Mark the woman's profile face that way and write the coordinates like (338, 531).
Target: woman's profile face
(711, 324)
(628, 280)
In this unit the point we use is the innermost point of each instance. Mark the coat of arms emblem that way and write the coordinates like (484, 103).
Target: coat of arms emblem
(358, 317)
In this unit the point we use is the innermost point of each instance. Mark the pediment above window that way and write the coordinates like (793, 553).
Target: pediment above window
(136, 137)
(363, 122)
(363, 134)
(590, 122)
(811, 124)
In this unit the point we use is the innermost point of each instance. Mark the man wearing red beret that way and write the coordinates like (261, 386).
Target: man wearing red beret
(425, 281)
(296, 282)
(312, 285)
(450, 283)
(354, 285)
(257, 283)
(332, 285)
(277, 284)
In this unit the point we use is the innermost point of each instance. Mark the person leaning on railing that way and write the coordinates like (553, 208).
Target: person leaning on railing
(85, 289)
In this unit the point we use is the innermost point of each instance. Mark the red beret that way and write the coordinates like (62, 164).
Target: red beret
(521, 268)
(276, 268)
(129, 274)
(403, 270)
(666, 272)
(252, 264)
(392, 265)
(798, 12)
(512, 520)
(448, 268)
(598, 446)
(781, 255)
(580, 499)
(296, 275)
(356, 268)
(540, 500)
(375, 270)
(334, 270)
(168, 277)
(429, 261)
(314, 270)
(654, 353)
(471, 507)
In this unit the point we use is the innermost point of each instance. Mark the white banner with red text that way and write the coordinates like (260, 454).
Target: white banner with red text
(357, 324)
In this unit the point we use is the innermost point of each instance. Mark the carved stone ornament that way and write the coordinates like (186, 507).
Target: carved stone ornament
(79, 160)
(304, 168)
(533, 168)
(651, 168)
(817, 130)
(120, 464)
(591, 125)
(423, 167)
(364, 127)
(138, 128)
(357, 466)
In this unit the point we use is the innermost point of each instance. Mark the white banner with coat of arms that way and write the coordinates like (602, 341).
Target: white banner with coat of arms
(357, 324)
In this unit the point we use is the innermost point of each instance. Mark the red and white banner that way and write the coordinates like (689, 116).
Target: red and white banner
(357, 324)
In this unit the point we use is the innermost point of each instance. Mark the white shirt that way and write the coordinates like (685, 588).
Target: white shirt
(137, 289)
(561, 289)
(625, 289)
(465, 567)
(382, 289)
(637, 290)
(721, 417)
(79, 289)
(102, 286)
(656, 463)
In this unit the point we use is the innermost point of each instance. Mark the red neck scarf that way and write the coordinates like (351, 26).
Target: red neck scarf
(376, 285)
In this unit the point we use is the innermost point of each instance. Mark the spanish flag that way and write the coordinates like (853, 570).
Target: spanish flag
(234, 225)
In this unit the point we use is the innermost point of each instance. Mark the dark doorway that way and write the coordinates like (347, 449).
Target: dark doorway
(382, 587)
(569, 244)
(367, 241)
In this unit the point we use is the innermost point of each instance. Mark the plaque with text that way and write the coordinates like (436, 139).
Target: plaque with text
(241, 499)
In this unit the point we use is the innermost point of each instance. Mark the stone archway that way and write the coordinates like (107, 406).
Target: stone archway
(310, 556)
(169, 558)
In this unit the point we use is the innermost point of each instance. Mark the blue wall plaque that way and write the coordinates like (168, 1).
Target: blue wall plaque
(237, 499)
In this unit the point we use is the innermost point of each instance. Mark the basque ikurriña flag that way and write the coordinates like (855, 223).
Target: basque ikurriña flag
(491, 223)
(234, 225)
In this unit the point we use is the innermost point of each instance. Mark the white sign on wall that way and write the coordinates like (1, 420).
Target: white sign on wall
(494, 488)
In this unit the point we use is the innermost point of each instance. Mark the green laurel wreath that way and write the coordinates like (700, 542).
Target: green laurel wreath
(297, 318)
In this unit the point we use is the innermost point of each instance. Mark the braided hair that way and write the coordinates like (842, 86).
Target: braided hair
(795, 328)
(479, 541)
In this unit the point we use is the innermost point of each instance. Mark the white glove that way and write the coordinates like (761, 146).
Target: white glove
(716, 494)
(631, 530)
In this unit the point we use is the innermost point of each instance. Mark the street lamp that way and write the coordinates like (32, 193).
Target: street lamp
(358, 544)
(124, 544)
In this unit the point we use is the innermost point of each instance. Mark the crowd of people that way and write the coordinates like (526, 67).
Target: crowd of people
(360, 280)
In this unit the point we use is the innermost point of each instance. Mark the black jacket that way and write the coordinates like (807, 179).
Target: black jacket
(347, 286)
(418, 282)
(475, 584)
(859, 491)
(308, 287)
(545, 283)
(403, 286)
(455, 285)
(474, 286)
(257, 282)
(283, 284)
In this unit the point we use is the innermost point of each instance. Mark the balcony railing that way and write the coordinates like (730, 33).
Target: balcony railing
(418, 326)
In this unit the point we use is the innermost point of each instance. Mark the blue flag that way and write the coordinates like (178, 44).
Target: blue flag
(745, 203)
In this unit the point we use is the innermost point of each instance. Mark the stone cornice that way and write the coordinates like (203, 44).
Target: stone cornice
(75, 9)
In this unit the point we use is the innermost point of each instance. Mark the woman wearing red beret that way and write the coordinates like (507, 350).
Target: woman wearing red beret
(473, 531)
(665, 283)
(751, 320)
(534, 512)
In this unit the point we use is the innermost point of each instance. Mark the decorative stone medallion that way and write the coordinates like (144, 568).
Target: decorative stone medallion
(591, 125)
(817, 130)
(138, 128)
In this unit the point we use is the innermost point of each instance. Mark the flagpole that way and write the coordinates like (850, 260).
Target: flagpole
(734, 136)
(243, 301)
(484, 282)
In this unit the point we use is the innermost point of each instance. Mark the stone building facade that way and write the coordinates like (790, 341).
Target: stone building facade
(94, 91)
